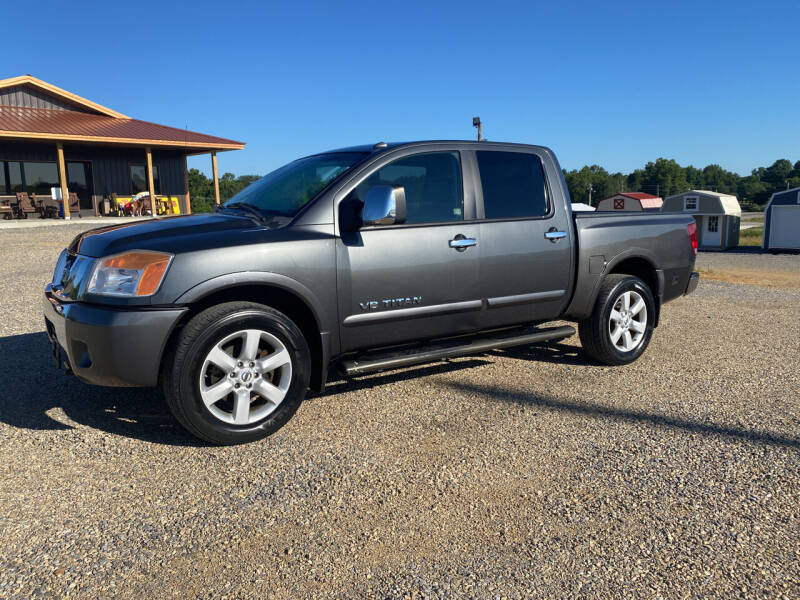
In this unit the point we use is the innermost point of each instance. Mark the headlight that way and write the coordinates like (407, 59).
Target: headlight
(136, 273)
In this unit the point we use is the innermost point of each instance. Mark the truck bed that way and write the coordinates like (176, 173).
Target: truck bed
(606, 240)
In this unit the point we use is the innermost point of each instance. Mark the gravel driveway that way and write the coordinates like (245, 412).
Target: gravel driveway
(513, 474)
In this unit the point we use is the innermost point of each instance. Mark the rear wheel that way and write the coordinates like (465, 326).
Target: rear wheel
(621, 324)
(237, 373)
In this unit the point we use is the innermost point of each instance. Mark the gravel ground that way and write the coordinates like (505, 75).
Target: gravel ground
(516, 474)
(749, 259)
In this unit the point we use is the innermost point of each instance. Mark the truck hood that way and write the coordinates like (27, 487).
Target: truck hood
(169, 234)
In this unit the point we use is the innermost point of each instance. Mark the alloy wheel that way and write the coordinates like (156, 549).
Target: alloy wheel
(627, 323)
(245, 376)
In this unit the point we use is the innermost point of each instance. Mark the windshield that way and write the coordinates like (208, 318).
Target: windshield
(285, 191)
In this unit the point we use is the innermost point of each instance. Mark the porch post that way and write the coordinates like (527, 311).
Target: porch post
(62, 175)
(216, 176)
(150, 187)
(186, 183)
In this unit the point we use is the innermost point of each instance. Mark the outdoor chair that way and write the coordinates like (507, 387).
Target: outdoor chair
(45, 206)
(74, 205)
(24, 206)
(6, 210)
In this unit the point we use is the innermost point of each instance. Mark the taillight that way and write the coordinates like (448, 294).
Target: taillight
(692, 227)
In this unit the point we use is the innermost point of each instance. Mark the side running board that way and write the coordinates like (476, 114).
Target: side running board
(437, 351)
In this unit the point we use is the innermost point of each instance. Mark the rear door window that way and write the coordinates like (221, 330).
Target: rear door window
(432, 182)
(513, 185)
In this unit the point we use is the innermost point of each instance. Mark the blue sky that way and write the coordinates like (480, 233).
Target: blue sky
(617, 84)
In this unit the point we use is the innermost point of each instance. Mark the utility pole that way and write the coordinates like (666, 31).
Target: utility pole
(591, 189)
(476, 122)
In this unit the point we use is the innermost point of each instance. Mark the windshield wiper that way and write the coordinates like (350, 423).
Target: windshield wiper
(248, 208)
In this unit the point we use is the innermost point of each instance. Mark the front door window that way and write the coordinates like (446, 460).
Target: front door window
(432, 182)
(713, 224)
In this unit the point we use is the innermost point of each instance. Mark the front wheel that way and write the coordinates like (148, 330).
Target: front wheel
(237, 373)
(621, 324)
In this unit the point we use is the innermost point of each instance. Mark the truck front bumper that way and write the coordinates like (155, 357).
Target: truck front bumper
(108, 346)
(694, 279)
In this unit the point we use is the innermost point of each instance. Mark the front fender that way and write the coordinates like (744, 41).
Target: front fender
(231, 280)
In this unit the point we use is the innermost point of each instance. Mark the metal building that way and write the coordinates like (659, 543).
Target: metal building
(636, 201)
(52, 138)
(782, 221)
(717, 215)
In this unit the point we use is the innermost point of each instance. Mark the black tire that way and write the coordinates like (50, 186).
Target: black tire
(184, 361)
(594, 331)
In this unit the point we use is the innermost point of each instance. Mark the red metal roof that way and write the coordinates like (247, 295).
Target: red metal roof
(19, 122)
(638, 195)
(655, 202)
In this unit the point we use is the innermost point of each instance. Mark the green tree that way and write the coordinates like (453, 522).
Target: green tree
(664, 177)
(776, 175)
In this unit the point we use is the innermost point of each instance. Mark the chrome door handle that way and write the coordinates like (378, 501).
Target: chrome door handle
(461, 243)
(554, 234)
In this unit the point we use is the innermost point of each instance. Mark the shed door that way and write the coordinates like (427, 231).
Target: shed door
(784, 227)
(712, 232)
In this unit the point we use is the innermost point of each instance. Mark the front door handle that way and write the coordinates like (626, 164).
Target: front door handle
(461, 242)
(554, 234)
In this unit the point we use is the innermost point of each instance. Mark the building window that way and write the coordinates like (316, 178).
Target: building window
(713, 224)
(690, 203)
(139, 179)
(30, 177)
(14, 177)
(40, 177)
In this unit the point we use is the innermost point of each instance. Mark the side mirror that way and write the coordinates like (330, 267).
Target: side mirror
(384, 205)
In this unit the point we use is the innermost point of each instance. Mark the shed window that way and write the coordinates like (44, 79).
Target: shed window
(690, 203)
(713, 224)
(139, 179)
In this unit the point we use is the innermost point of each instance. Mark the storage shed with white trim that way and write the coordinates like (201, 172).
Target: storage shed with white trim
(782, 221)
(717, 216)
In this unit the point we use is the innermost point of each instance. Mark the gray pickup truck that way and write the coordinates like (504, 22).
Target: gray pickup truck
(366, 258)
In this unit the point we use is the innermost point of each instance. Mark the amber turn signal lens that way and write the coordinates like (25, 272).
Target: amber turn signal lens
(152, 265)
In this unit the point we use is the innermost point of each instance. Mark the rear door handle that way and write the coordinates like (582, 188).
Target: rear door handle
(554, 234)
(461, 242)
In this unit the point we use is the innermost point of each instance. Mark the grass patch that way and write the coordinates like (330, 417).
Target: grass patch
(753, 220)
(751, 237)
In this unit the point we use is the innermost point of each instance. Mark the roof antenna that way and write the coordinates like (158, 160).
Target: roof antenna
(476, 122)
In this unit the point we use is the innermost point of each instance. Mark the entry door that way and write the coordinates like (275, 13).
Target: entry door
(784, 226)
(526, 256)
(408, 282)
(712, 234)
(79, 180)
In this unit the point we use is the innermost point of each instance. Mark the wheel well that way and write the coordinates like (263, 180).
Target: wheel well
(644, 270)
(286, 302)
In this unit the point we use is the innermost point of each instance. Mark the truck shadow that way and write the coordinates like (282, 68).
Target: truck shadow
(338, 384)
(548, 352)
(498, 394)
(37, 395)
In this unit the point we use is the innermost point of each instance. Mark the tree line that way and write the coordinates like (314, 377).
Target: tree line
(666, 177)
(201, 188)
